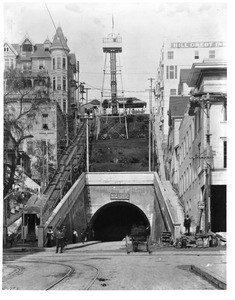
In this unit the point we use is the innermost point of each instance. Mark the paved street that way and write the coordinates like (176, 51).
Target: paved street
(106, 266)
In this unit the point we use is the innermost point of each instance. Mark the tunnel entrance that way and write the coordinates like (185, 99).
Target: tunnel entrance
(113, 221)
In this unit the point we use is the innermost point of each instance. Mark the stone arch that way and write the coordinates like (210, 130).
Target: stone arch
(113, 221)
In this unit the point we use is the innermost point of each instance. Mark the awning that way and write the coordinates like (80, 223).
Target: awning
(35, 204)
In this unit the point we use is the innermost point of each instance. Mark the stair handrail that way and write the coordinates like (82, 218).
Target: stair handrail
(57, 171)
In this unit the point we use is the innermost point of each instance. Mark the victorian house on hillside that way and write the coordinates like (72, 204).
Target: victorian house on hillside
(49, 73)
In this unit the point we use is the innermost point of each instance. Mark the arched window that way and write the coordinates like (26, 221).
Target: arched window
(58, 62)
(53, 63)
(64, 63)
(64, 105)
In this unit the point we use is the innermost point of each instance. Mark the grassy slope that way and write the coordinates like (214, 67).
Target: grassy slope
(118, 154)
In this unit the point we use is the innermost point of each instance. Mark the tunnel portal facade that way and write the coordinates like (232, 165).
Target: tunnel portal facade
(113, 221)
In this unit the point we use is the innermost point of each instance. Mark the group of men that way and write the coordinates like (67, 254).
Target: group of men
(60, 237)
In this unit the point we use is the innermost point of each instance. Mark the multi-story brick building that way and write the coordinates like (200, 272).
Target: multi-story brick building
(50, 72)
(203, 147)
(174, 56)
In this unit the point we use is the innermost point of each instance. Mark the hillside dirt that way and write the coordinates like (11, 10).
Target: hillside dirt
(114, 152)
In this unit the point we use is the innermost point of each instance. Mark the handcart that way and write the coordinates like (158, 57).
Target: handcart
(137, 237)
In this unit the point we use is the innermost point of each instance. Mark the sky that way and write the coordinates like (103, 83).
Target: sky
(143, 26)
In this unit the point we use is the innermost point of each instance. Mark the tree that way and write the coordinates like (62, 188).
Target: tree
(22, 100)
(43, 161)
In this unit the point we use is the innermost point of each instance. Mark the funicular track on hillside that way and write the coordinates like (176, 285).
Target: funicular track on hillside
(70, 166)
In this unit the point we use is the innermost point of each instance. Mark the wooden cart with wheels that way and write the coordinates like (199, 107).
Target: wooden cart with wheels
(138, 237)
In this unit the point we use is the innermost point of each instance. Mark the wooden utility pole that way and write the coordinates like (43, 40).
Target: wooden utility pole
(208, 167)
(150, 124)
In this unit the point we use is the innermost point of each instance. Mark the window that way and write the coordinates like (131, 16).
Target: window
(7, 63)
(6, 49)
(225, 153)
(26, 66)
(27, 48)
(196, 54)
(173, 92)
(30, 148)
(211, 53)
(45, 121)
(171, 72)
(58, 62)
(170, 54)
(11, 62)
(64, 63)
(53, 63)
(53, 83)
(41, 64)
(64, 105)
(64, 83)
(59, 83)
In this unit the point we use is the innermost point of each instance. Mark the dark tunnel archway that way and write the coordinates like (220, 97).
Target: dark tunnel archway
(113, 221)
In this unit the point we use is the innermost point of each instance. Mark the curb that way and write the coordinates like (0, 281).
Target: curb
(215, 281)
(45, 249)
(82, 245)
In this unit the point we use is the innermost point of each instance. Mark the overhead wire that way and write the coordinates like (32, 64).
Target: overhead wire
(55, 28)
(95, 88)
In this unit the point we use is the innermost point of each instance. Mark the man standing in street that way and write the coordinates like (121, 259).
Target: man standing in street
(59, 240)
(187, 224)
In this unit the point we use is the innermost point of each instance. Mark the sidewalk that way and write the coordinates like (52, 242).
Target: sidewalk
(214, 273)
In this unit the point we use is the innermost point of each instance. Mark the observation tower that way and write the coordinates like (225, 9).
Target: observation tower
(112, 45)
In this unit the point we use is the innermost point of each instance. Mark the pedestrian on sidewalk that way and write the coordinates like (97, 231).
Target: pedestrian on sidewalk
(65, 241)
(74, 236)
(59, 239)
(187, 224)
(83, 236)
(50, 236)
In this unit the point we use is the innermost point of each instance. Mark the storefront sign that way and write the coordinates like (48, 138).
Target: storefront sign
(198, 44)
(201, 204)
(120, 196)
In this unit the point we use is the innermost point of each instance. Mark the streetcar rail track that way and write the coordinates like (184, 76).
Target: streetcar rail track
(18, 270)
(65, 276)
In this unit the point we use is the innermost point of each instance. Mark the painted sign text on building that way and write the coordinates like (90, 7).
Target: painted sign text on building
(198, 44)
(119, 196)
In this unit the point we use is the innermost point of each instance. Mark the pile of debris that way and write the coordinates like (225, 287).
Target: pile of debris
(209, 239)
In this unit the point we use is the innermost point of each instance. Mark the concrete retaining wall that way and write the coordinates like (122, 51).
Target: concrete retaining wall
(93, 190)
